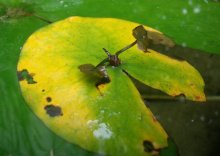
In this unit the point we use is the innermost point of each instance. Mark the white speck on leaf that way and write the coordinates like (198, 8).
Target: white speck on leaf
(184, 11)
(102, 132)
(114, 114)
(61, 2)
(183, 44)
(51, 152)
(196, 10)
(190, 2)
(92, 123)
(197, 28)
(102, 111)
(164, 17)
(135, 10)
(77, 2)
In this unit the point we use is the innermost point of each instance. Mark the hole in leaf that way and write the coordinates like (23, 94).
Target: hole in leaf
(104, 80)
(148, 147)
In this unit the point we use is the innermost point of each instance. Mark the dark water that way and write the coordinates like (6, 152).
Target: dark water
(194, 126)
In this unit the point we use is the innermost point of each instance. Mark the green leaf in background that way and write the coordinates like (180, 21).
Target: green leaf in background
(192, 23)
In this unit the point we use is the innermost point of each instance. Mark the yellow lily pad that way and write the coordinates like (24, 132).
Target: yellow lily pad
(67, 100)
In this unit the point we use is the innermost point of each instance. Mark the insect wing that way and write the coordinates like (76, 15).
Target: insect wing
(90, 69)
(87, 68)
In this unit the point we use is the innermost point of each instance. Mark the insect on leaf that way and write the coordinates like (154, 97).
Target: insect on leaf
(99, 72)
(141, 36)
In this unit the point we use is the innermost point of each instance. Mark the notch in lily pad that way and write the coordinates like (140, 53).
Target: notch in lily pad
(143, 41)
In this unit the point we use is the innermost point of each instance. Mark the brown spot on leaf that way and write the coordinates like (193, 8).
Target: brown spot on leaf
(49, 99)
(12, 12)
(173, 94)
(53, 110)
(198, 98)
(43, 90)
(20, 77)
(25, 75)
(148, 147)
(154, 118)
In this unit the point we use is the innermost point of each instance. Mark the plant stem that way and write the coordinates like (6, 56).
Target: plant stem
(125, 48)
(116, 54)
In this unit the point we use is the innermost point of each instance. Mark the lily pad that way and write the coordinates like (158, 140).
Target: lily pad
(69, 103)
